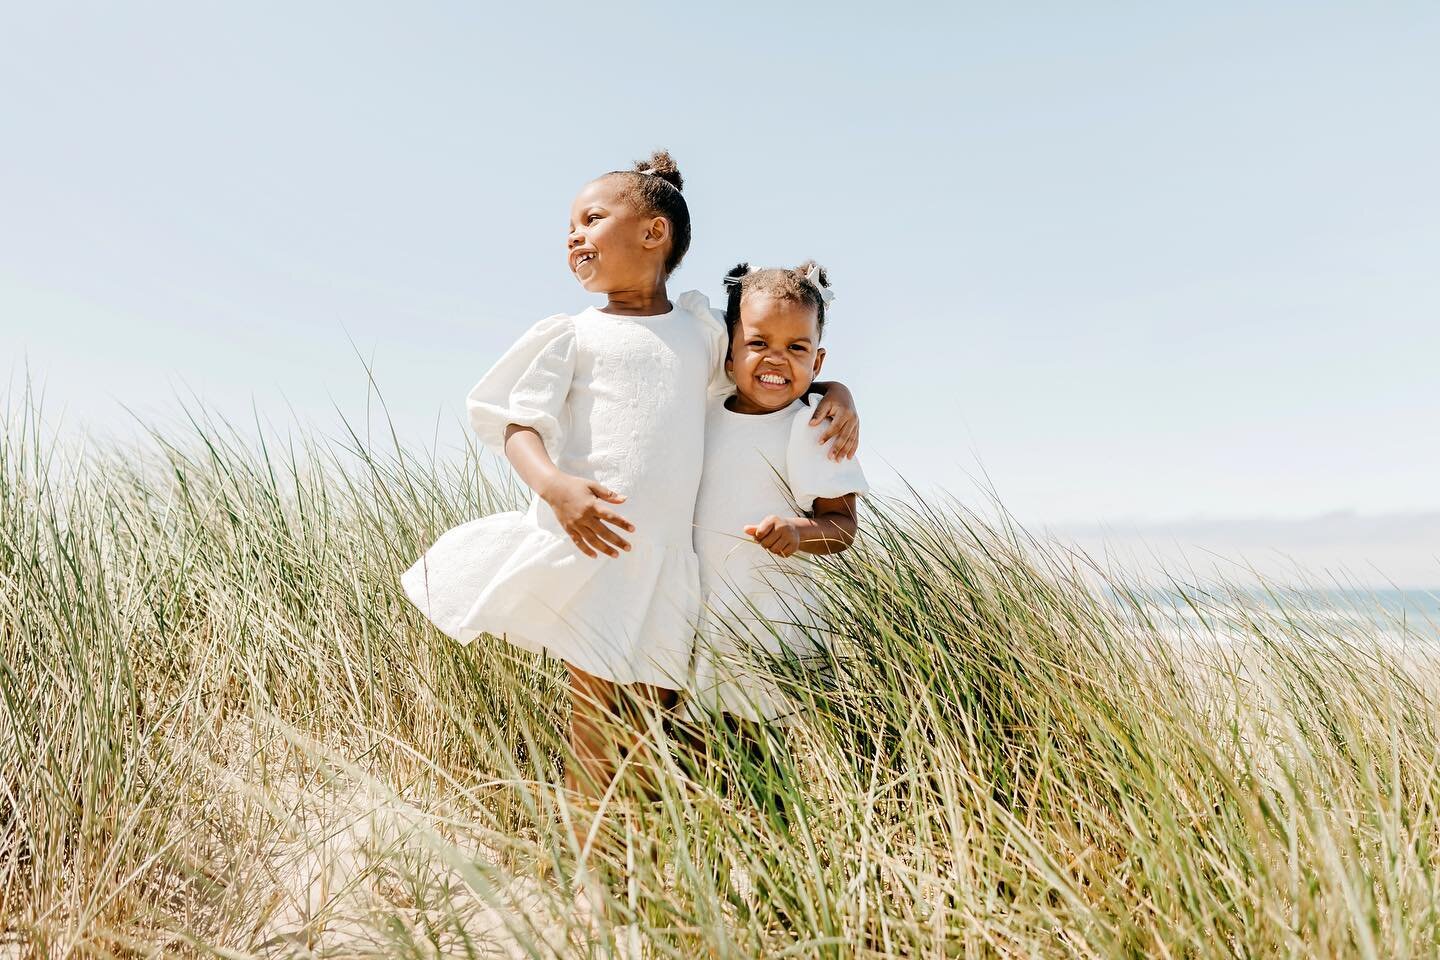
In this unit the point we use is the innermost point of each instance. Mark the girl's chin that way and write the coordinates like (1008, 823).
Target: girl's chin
(768, 401)
(591, 280)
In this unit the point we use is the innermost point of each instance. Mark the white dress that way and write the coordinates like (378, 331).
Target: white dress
(755, 466)
(621, 400)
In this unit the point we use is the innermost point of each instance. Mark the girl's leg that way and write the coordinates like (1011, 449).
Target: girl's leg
(640, 701)
(588, 773)
(605, 721)
(608, 722)
(592, 736)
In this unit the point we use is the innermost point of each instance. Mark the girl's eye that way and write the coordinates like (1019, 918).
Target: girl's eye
(592, 218)
(800, 348)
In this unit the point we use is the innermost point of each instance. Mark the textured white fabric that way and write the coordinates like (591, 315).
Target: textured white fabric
(755, 466)
(528, 386)
(621, 400)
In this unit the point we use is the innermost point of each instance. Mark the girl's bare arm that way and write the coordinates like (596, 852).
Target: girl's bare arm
(838, 404)
(830, 530)
(579, 504)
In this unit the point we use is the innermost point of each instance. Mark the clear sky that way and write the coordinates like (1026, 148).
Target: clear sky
(1132, 261)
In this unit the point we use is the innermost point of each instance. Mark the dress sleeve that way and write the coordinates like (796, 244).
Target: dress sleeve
(812, 473)
(528, 386)
(720, 385)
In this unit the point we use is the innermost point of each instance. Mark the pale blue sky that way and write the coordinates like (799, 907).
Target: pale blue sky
(1135, 261)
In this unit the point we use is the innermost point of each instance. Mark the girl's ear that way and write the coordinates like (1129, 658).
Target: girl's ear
(657, 233)
(819, 361)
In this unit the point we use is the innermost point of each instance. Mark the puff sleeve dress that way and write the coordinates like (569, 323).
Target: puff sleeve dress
(755, 604)
(617, 399)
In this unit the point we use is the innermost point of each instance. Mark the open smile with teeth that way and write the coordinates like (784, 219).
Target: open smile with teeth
(772, 379)
(581, 260)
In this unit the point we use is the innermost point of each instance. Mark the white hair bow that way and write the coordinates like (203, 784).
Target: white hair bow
(813, 275)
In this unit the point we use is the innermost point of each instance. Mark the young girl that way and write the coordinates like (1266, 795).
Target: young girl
(767, 492)
(602, 414)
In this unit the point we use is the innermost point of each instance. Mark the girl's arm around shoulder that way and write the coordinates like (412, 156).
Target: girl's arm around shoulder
(838, 418)
(712, 322)
(812, 471)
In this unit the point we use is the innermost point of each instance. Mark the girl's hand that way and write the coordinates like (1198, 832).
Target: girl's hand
(779, 535)
(839, 406)
(579, 505)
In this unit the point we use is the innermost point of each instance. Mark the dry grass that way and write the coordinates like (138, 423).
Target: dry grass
(225, 732)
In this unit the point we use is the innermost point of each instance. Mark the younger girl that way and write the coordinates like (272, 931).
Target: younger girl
(767, 492)
(602, 414)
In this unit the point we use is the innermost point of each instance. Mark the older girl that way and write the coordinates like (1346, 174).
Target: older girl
(602, 414)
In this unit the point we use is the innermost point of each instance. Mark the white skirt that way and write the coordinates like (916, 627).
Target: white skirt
(516, 576)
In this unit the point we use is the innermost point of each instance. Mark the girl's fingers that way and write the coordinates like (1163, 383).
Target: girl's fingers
(600, 536)
(839, 426)
(610, 516)
(606, 494)
(846, 444)
(609, 536)
(827, 408)
(585, 539)
(599, 544)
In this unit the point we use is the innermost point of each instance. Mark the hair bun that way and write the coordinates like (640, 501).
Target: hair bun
(805, 268)
(736, 274)
(662, 165)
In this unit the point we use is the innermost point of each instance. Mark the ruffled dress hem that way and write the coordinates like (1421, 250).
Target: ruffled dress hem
(486, 577)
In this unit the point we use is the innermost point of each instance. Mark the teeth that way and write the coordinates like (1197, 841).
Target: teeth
(771, 378)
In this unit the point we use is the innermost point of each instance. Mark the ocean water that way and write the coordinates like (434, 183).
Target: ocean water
(1418, 606)
(1389, 615)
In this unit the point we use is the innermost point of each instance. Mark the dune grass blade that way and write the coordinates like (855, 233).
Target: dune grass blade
(224, 732)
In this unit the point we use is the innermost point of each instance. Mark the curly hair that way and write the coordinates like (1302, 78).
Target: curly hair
(780, 283)
(654, 186)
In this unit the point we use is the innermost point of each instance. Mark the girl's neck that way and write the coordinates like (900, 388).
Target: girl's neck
(739, 403)
(647, 302)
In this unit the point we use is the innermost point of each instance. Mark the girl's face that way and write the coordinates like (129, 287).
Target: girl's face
(611, 246)
(775, 353)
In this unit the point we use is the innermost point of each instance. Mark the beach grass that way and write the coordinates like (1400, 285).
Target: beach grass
(225, 732)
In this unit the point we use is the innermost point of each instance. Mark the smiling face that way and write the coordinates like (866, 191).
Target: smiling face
(611, 246)
(775, 353)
